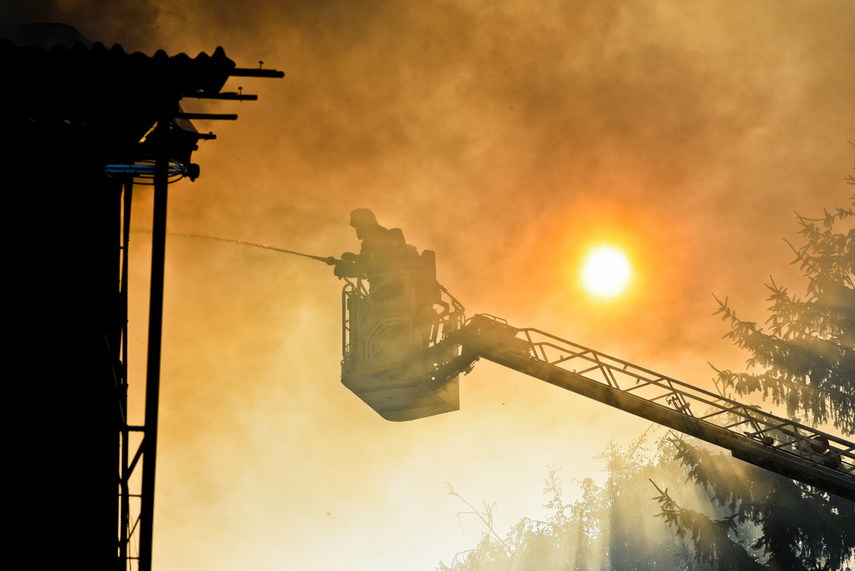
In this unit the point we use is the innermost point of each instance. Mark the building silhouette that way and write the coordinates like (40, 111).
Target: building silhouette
(82, 124)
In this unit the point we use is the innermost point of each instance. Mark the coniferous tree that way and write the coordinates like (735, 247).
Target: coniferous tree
(808, 353)
(757, 519)
(807, 361)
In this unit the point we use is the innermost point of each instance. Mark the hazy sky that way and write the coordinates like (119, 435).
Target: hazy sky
(508, 137)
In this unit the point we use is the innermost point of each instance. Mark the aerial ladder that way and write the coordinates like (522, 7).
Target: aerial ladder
(404, 356)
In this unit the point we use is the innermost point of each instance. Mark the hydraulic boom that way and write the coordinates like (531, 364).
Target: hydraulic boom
(783, 446)
(404, 359)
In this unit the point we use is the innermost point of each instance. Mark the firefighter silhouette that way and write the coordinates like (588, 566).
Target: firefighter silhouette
(394, 269)
(380, 260)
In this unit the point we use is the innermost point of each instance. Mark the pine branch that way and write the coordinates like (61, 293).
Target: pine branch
(711, 539)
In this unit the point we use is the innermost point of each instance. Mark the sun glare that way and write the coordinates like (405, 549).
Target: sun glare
(606, 272)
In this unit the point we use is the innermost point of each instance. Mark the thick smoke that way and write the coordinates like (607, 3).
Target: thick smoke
(507, 137)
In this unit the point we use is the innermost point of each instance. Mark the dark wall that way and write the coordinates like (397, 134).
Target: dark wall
(61, 417)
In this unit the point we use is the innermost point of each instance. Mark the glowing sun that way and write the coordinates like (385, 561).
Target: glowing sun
(606, 272)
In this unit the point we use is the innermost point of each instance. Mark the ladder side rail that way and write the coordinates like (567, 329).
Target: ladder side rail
(680, 395)
(617, 364)
(613, 369)
(795, 456)
(799, 432)
(799, 438)
(782, 461)
(806, 442)
(685, 393)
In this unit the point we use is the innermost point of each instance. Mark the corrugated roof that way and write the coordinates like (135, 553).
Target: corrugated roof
(105, 91)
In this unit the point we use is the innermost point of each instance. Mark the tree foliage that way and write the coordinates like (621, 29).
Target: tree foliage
(806, 359)
(807, 354)
(719, 514)
(610, 526)
(758, 520)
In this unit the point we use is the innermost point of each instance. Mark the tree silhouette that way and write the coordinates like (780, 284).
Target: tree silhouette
(758, 520)
(808, 354)
(807, 361)
(611, 526)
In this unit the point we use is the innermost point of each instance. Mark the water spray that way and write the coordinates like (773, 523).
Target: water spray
(329, 260)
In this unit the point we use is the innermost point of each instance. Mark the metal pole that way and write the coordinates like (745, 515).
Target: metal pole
(124, 506)
(155, 329)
